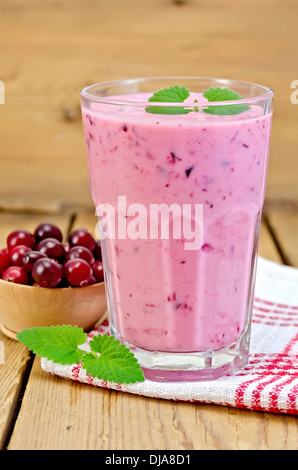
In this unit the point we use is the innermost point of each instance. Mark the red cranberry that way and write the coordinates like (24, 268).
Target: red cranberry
(98, 271)
(92, 281)
(52, 248)
(47, 272)
(20, 237)
(4, 262)
(15, 274)
(29, 259)
(82, 237)
(77, 272)
(97, 251)
(17, 253)
(47, 230)
(80, 252)
(66, 247)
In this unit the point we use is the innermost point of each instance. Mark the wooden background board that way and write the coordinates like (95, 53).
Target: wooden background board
(50, 50)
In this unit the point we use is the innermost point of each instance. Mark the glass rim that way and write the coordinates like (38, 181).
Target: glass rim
(267, 94)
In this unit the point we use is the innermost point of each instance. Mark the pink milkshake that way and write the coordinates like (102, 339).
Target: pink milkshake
(184, 312)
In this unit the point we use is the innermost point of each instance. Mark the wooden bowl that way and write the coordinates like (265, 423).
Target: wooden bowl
(23, 307)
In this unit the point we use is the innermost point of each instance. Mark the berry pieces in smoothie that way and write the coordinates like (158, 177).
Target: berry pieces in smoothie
(188, 171)
(173, 158)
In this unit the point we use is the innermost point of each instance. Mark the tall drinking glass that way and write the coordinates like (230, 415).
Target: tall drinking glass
(179, 190)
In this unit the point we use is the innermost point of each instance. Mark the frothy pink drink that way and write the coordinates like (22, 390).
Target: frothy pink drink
(162, 297)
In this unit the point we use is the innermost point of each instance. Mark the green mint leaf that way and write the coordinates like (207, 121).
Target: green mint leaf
(112, 361)
(56, 343)
(173, 94)
(226, 110)
(167, 110)
(108, 360)
(223, 94)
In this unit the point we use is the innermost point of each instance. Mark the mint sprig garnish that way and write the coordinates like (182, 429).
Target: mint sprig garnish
(108, 359)
(176, 94)
(173, 94)
(112, 361)
(56, 343)
(223, 94)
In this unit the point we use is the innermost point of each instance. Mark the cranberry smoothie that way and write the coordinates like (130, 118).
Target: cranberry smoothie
(161, 296)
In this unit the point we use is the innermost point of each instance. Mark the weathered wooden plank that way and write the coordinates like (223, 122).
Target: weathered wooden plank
(284, 225)
(14, 356)
(60, 414)
(267, 246)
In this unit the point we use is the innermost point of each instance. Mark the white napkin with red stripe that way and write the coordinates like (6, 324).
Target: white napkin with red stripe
(269, 382)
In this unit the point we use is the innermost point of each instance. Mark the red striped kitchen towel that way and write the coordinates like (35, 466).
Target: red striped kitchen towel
(270, 380)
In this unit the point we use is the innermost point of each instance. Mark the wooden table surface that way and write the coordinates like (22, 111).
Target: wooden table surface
(49, 51)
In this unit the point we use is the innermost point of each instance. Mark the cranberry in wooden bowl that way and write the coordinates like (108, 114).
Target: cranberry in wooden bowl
(43, 284)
